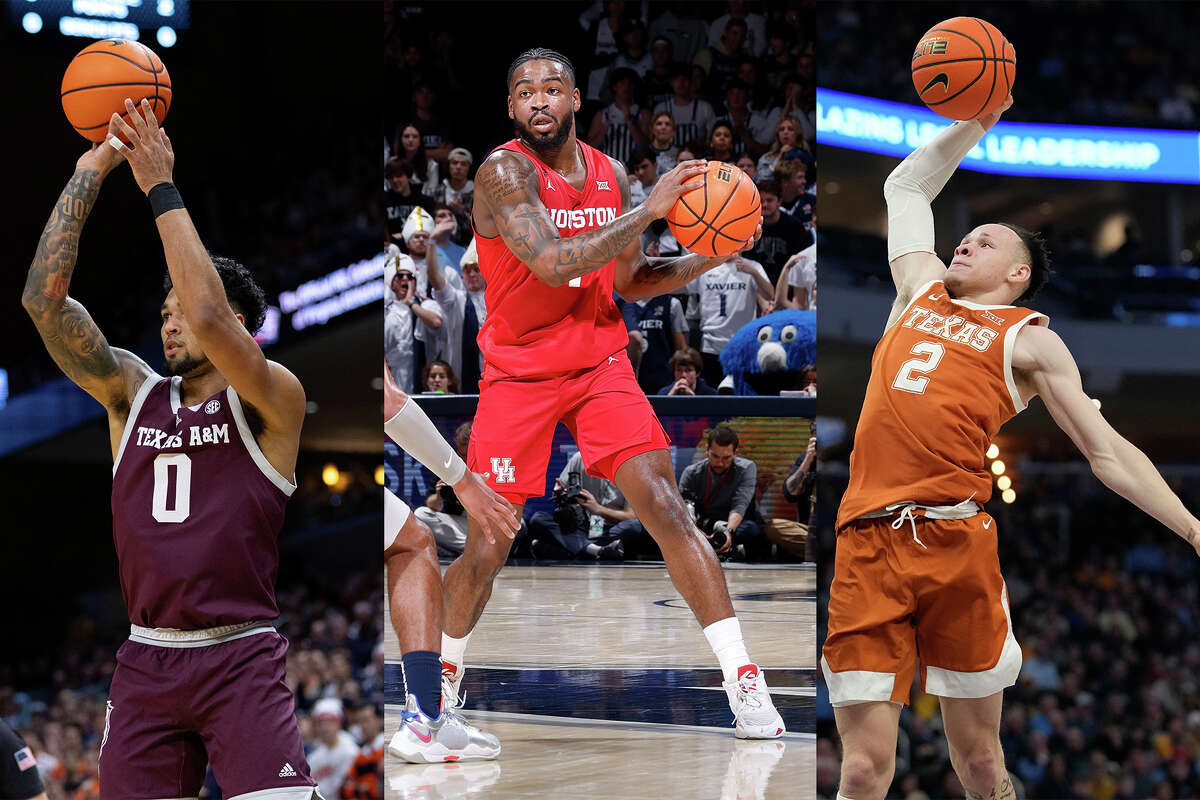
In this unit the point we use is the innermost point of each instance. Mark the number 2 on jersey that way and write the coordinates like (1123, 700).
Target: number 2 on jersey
(905, 380)
(183, 487)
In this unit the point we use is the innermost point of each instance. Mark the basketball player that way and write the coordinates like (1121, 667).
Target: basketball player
(917, 571)
(430, 731)
(556, 234)
(199, 488)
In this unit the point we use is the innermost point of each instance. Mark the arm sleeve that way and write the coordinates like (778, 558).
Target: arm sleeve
(912, 186)
(417, 436)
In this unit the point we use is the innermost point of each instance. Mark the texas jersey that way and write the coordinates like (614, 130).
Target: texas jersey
(941, 386)
(197, 510)
(535, 329)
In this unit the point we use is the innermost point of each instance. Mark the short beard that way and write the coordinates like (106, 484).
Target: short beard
(188, 364)
(544, 143)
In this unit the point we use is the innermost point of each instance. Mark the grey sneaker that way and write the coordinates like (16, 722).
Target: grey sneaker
(446, 737)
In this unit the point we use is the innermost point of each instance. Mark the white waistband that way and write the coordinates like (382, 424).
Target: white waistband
(967, 508)
(906, 509)
(174, 637)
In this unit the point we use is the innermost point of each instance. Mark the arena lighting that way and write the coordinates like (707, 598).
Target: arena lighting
(992, 451)
(997, 467)
(1004, 483)
(1014, 148)
(330, 475)
(317, 301)
(1008, 496)
(103, 19)
(379, 475)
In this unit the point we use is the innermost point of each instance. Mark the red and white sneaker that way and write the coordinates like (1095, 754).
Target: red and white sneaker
(754, 715)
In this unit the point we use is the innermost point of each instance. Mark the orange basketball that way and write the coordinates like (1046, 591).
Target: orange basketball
(717, 218)
(964, 68)
(98, 80)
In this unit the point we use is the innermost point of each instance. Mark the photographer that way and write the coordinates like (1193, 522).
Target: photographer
(442, 512)
(585, 508)
(722, 490)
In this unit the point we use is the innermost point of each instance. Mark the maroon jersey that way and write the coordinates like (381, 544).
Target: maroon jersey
(197, 510)
(536, 329)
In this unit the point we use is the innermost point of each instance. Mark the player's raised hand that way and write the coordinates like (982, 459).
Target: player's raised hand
(101, 158)
(991, 119)
(493, 513)
(149, 153)
(686, 176)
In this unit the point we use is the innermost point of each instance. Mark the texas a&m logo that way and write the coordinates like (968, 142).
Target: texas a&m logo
(503, 471)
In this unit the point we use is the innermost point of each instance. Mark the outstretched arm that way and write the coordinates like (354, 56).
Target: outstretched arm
(410, 428)
(68, 331)
(909, 190)
(1047, 366)
(273, 391)
(507, 184)
(636, 278)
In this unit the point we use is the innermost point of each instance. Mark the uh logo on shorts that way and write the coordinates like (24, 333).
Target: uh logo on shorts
(503, 471)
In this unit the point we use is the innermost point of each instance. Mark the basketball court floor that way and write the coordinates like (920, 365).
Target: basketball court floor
(599, 684)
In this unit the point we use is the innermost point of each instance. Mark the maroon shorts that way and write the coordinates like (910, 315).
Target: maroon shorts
(603, 407)
(172, 710)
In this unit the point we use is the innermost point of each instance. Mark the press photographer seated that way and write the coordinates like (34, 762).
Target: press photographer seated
(721, 489)
(585, 509)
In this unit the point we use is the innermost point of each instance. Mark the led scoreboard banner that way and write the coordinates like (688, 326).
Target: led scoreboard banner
(160, 20)
(1014, 148)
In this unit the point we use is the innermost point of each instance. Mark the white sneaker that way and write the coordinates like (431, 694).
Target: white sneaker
(452, 675)
(446, 737)
(754, 714)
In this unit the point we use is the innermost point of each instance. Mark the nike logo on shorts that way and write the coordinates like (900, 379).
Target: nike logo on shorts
(987, 524)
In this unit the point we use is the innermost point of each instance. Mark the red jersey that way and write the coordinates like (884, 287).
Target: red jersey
(941, 386)
(535, 329)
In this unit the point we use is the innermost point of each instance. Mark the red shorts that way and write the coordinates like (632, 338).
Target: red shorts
(603, 407)
(894, 600)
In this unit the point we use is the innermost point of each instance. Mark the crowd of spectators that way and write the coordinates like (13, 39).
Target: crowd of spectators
(1103, 603)
(333, 621)
(1148, 60)
(660, 84)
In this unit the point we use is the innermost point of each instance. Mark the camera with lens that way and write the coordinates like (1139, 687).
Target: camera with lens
(450, 503)
(713, 529)
(569, 515)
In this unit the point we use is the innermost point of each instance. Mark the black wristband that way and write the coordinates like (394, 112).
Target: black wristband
(164, 197)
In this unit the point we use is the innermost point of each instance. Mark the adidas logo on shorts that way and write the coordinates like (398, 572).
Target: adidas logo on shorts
(287, 771)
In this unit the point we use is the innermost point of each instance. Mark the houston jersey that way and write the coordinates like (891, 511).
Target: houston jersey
(197, 510)
(535, 329)
(941, 386)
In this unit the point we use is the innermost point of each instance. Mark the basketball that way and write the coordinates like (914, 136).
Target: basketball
(716, 219)
(102, 75)
(964, 68)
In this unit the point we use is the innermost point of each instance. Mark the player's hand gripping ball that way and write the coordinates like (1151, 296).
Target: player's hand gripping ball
(102, 75)
(718, 218)
(963, 68)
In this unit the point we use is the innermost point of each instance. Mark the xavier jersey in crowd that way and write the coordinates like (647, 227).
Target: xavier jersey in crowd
(941, 386)
(197, 510)
(536, 329)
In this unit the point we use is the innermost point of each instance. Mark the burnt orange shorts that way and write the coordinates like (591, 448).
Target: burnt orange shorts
(895, 599)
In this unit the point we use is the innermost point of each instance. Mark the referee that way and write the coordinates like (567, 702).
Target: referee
(19, 778)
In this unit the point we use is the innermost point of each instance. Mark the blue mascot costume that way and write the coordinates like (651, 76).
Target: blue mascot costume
(766, 355)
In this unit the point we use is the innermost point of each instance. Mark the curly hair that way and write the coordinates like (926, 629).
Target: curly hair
(241, 290)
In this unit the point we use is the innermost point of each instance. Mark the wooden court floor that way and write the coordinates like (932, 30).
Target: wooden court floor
(599, 684)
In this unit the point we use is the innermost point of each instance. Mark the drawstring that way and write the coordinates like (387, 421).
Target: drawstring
(906, 513)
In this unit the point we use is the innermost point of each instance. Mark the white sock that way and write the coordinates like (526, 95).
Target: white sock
(725, 638)
(454, 650)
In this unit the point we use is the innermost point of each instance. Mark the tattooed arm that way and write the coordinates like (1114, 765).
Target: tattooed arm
(636, 278)
(507, 183)
(74, 342)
